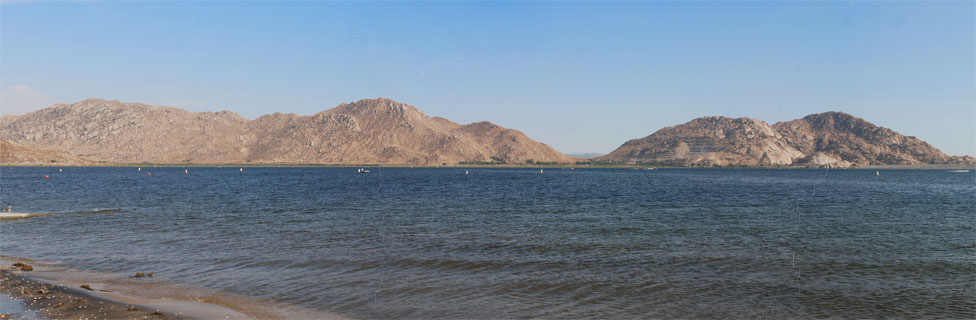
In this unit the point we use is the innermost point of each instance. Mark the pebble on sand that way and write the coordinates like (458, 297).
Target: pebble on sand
(24, 266)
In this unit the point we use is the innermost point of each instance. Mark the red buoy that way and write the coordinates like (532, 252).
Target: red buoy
(45, 177)
(149, 174)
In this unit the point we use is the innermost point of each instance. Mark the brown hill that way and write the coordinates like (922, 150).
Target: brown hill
(709, 141)
(13, 153)
(855, 140)
(129, 132)
(379, 131)
(831, 139)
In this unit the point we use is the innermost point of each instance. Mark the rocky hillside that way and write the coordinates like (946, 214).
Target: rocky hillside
(710, 141)
(13, 153)
(129, 132)
(852, 139)
(833, 139)
(379, 131)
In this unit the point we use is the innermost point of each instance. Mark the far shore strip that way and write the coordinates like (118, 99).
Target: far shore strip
(21, 215)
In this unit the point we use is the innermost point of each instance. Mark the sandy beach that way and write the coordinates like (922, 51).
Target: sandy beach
(52, 293)
(62, 302)
(55, 291)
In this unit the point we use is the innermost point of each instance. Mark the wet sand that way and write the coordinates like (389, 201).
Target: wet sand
(70, 299)
(62, 302)
(54, 291)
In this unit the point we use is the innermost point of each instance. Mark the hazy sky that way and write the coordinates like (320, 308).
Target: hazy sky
(581, 77)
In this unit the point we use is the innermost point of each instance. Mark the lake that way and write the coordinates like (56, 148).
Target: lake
(437, 243)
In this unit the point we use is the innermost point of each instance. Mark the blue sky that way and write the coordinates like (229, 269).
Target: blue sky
(579, 76)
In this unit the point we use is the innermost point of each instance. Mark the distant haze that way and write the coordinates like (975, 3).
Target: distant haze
(580, 77)
(587, 155)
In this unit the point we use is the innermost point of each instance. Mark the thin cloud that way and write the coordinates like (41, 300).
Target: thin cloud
(13, 2)
(20, 99)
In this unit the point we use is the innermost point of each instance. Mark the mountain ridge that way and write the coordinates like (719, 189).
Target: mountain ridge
(385, 131)
(378, 131)
(828, 139)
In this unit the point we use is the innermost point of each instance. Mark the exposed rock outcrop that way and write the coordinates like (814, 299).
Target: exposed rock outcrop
(961, 160)
(710, 141)
(822, 160)
(855, 140)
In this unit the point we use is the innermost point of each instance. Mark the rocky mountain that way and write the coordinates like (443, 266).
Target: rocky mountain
(854, 140)
(14, 153)
(379, 131)
(833, 139)
(129, 132)
(710, 141)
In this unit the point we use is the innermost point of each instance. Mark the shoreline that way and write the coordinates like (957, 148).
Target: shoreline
(923, 167)
(501, 166)
(53, 292)
(56, 301)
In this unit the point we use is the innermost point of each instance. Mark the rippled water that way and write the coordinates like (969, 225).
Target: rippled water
(514, 243)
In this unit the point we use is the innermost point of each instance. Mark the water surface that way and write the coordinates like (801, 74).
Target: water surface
(514, 243)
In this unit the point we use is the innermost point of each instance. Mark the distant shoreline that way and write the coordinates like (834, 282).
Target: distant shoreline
(509, 166)
(923, 166)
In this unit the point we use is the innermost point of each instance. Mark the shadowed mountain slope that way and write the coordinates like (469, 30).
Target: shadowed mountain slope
(14, 153)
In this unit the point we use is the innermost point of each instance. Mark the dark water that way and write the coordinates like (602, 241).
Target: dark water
(513, 243)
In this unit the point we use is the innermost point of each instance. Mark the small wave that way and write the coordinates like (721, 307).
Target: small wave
(97, 211)
(13, 307)
(451, 264)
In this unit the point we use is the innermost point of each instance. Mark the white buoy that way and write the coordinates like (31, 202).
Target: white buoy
(540, 171)
(465, 171)
(139, 169)
(877, 173)
(242, 169)
(59, 170)
(186, 171)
